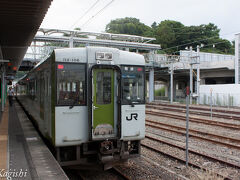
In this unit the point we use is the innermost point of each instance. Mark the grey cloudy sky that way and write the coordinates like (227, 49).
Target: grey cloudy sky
(63, 14)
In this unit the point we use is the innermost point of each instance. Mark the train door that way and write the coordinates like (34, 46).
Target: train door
(103, 104)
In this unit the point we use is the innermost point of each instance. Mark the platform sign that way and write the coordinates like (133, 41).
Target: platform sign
(187, 90)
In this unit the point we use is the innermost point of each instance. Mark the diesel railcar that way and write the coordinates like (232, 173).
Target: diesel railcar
(89, 103)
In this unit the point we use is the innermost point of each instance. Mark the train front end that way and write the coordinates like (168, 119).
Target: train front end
(117, 104)
(109, 123)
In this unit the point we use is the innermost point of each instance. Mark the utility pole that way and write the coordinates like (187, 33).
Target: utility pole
(187, 123)
(151, 84)
(71, 41)
(198, 75)
(171, 81)
(191, 75)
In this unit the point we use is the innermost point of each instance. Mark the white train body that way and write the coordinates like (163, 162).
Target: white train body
(89, 103)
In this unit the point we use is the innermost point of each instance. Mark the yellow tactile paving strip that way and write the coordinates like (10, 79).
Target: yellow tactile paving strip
(4, 139)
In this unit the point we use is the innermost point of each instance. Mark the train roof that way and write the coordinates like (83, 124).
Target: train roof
(88, 55)
(120, 57)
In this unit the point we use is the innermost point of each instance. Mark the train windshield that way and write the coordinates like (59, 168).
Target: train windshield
(71, 84)
(133, 85)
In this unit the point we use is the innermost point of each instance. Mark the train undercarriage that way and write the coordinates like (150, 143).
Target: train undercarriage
(98, 154)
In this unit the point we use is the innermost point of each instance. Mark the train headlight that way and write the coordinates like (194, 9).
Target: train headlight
(99, 55)
(104, 56)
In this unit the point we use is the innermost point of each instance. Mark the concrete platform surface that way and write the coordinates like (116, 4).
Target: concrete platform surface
(27, 157)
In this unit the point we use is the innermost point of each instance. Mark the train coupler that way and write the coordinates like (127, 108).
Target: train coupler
(107, 147)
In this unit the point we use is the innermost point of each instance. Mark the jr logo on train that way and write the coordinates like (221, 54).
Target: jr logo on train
(133, 115)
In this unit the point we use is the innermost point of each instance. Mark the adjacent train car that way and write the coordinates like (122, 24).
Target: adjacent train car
(89, 103)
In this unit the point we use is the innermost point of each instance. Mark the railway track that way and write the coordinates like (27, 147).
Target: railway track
(195, 152)
(181, 160)
(230, 142)
(220, 113)
(195, 134)
(196, 120)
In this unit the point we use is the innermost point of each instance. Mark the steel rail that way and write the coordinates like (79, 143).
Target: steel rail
(182, 109)
(181, 160)
(190, 134)
(195, 152)
(200, 132)
(197, 120)
(228, 113)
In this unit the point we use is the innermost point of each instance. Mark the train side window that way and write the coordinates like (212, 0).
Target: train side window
(71, 84)
(74, 84)
(68, 87)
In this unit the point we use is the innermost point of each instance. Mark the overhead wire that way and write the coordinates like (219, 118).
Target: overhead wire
(220, 42)
(101, 10)
(197, 41)
(94, 4)
(187, 43)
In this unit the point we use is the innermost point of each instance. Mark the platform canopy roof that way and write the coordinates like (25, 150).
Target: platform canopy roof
(19, 22)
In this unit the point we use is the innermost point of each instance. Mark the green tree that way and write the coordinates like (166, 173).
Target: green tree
(130, 26)
(173, 36)
(169, 34)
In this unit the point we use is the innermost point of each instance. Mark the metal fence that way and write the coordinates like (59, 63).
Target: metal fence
(220, 99)
(208, 57)
(216, 99)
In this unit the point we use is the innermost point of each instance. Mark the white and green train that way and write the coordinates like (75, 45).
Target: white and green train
(89, 103)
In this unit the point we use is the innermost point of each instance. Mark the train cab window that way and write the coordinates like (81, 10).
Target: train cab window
(133, 80)
(71, 84)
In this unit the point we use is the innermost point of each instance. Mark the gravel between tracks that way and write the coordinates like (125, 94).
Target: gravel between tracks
(215, 150)
(142, 169)
(200, 160)
(209, 148)
(178, 168)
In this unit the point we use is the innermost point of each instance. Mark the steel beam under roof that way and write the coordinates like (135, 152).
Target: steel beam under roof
(19, 22)
(98, 35)
(112, 43)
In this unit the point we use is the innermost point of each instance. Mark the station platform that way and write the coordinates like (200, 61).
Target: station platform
(23, 154)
